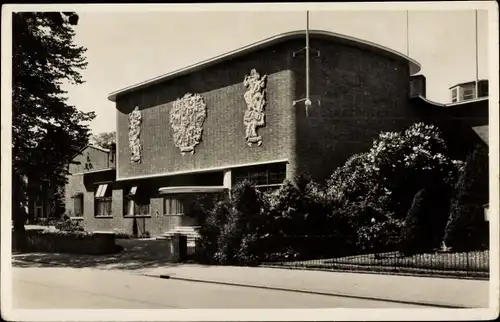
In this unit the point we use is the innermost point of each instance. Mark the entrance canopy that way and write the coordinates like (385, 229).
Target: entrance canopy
(191, 189)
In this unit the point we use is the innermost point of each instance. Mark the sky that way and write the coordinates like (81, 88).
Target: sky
(125, 48)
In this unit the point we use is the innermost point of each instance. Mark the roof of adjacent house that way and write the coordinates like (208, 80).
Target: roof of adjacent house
(468, 83)
(90, 146)
(413, 65)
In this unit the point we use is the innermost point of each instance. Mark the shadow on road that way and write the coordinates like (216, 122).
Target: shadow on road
(136, 255)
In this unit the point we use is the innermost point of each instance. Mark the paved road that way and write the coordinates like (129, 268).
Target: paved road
(86, 288)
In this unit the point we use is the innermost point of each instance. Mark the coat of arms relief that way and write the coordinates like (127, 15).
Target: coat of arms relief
(134, 134)
(255, 98)
(186, 119)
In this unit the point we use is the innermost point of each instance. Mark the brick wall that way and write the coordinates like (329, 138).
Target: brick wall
(223, 141)
(361, 93)
(78, 183)
(157, 223)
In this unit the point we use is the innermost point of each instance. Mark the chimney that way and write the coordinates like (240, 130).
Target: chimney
(417, 86)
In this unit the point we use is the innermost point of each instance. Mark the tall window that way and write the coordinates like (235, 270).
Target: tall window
(78, 204)
(136, 202)
(264, 177)
(103, 201)
(173, 206)
(454, 95)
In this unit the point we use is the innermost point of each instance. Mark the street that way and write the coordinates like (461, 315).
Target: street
(87, 288)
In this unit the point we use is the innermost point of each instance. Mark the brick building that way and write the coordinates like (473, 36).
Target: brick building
(203, 128)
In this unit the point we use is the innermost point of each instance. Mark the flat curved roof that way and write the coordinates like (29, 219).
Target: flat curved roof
(413, 65)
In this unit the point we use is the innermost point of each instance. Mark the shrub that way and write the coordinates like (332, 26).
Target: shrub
(122, 234)
(380, 235)
(396, 167)
(145, 234)
(466, 228)
(210, 230)
(417, 234)
(68, 225)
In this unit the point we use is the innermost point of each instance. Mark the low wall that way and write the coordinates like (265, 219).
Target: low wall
(57, 242)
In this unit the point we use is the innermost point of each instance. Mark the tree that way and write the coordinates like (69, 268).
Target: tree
(466, 228)
(396, 167)
(105, 140)
(376, 188)
(46, 130)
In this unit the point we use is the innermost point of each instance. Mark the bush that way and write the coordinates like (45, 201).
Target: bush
(376, 189)
(145, 234)
(69, 225)
(466, 228)
(210, 230)
(121, 234)
(380, 236)
(413, 234)
(426, 220)
(396, 167)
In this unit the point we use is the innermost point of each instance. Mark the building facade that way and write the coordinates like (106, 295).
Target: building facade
(202, 129)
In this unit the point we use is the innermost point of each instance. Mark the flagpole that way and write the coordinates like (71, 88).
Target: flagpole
(308, 100)
(407, 34)
(477, 64)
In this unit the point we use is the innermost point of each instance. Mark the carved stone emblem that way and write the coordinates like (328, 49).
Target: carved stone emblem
(255, 97)
(134, 134)
(186, 119)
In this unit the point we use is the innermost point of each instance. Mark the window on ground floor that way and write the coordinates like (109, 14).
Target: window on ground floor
(265, 177)
(78, 204)
(103, 201)
(136, 201)
(173, 205)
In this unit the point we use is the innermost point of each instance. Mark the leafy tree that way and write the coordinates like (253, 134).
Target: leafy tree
(46, 130)
(466, 228)
(105, 140)
(376, 189)
(396, 167)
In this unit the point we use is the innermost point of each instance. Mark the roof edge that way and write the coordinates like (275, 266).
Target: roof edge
(468, 83)
(414, 66)
(90, 146)
(453, 104)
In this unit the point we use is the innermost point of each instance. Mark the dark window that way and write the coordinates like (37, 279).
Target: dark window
(172, 206)
(78, 204)
(454, 95)
(262, 176)
(136, 202)
(468, 93)
(483, 89)
(103, 201)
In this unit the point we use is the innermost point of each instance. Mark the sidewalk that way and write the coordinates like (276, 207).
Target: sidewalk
(422, 290)
(149, 257)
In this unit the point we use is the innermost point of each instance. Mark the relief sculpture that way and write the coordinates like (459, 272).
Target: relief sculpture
(186, 119)
(134, 133)
(255, 97)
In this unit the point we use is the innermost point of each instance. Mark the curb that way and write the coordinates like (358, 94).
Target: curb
(197, 280)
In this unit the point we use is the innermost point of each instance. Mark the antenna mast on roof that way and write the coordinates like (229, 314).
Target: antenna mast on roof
(307, 99)
(477, 65)
(407, 34)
